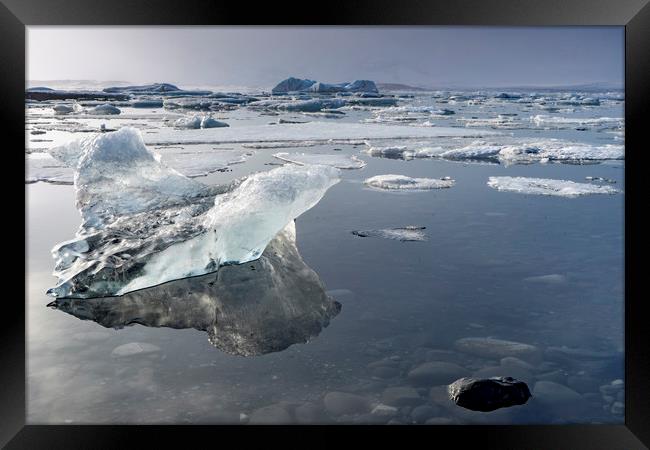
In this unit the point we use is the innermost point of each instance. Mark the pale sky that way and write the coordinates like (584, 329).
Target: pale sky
(262, 56)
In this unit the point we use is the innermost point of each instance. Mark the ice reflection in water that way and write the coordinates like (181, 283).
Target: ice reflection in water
(255, 308)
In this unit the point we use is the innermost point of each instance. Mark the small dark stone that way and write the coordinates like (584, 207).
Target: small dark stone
(488, 394)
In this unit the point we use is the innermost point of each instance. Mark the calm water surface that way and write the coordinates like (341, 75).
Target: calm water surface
(403, 304)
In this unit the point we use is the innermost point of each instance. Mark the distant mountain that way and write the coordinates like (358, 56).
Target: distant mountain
(399, 87)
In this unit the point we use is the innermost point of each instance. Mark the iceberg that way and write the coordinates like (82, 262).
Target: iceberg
(338, 161)
(249, 309)
(401, 182)
(303, 85)
(403, 234)
(154, 89)
(544, 186)
(144, 223)
(364, 86)
(291, 85)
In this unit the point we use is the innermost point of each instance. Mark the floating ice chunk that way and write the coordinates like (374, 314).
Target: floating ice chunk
(501, 122)
(234, 308)
(544, 186)
(241, 223)
(602, 179)
(192, 123)
(428, 109)
(209, 122)
(338, 161)
(562, 122)
(145, 224)
(473, 151)
(115, 174)
(394, 152)
(402, 152)
(198, 121)
(401, 182)
(408, 233)
(103, 110)
(535, 151)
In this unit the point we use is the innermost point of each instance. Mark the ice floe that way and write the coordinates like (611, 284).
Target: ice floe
(145, 223)
(404, 234)
(401, 182)
(311, 131)
(193, 162)
(42, 167)
(403, 152)
(528, 150)
(338, 161)
(544, 186)
(563, 122)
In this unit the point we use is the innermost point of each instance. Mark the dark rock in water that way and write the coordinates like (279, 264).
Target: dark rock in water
(488, 394)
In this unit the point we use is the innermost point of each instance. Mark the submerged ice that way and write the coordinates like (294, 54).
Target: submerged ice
(144, 223)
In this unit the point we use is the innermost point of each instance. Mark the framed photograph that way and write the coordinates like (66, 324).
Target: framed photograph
(422, 214)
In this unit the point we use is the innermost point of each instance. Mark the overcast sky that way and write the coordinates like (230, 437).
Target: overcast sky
(262, 56)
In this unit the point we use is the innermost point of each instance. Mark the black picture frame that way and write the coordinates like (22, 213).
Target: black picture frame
(15, 15)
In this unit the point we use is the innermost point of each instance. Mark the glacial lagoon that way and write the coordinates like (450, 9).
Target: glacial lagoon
(488, 242)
